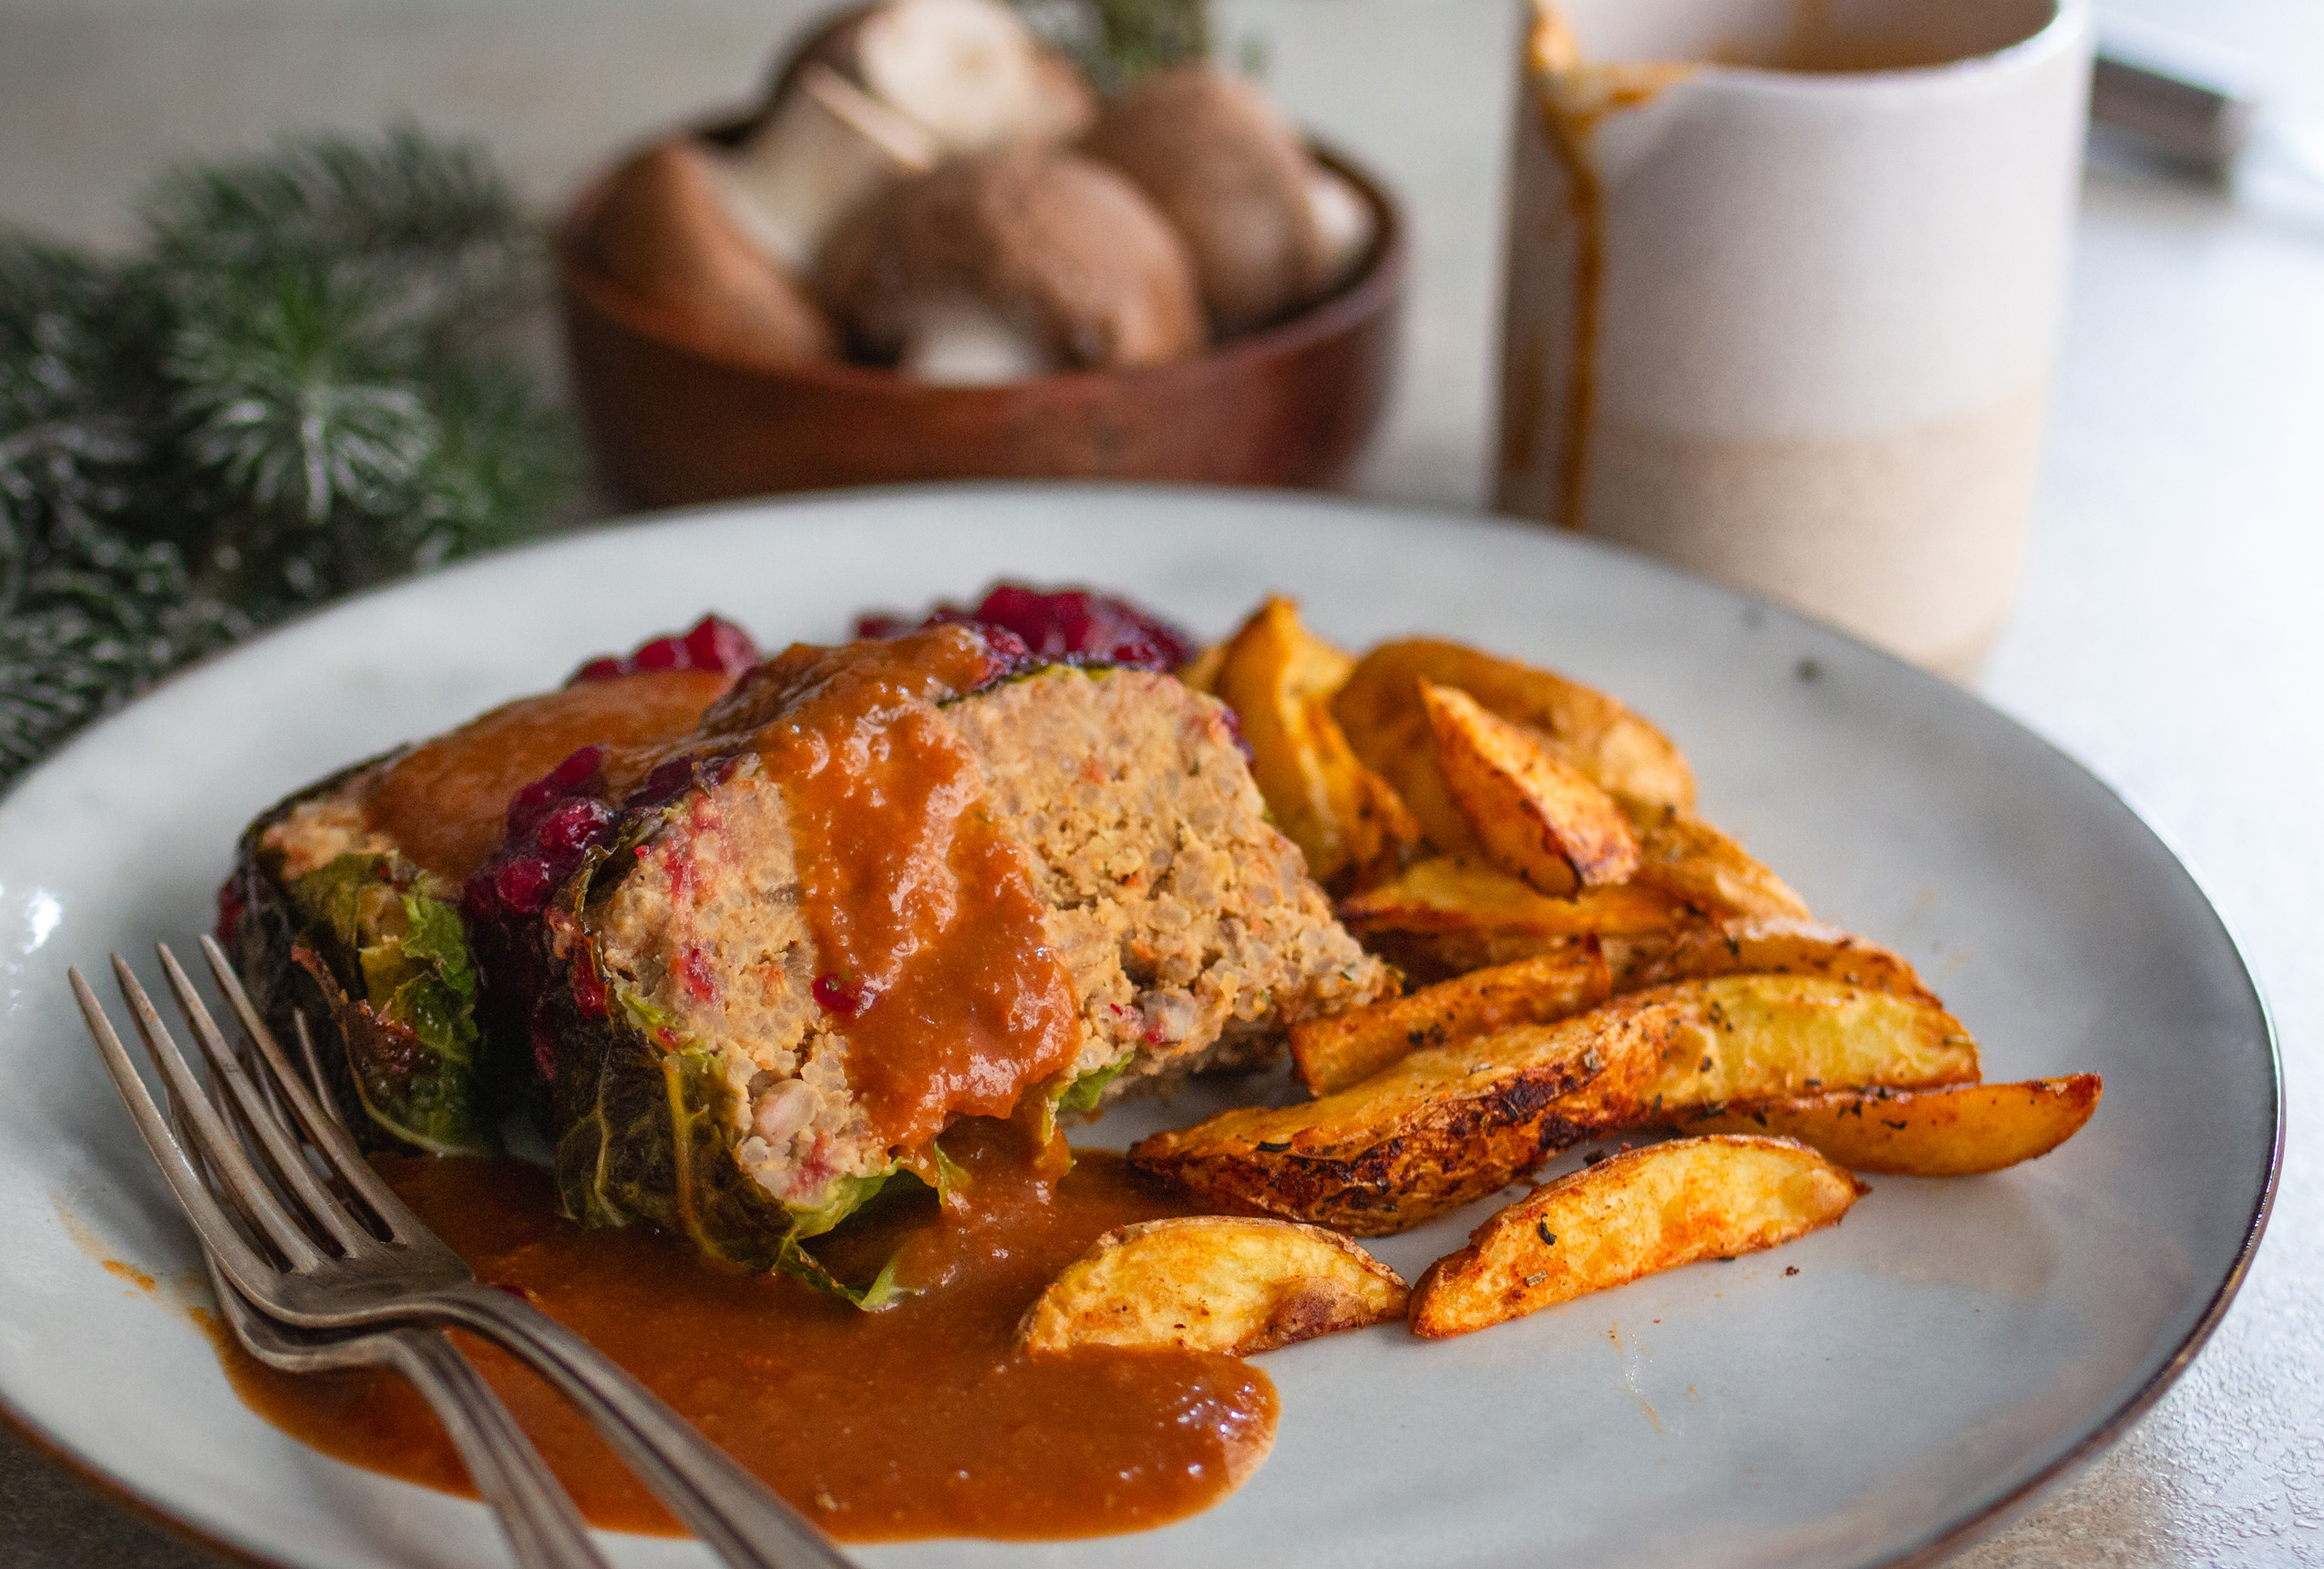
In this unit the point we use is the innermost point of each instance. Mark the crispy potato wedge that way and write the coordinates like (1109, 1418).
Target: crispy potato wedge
(1380, 709)
(1200, 673)
(1453, 892)
(1631, 1215)
(1537, 816)
(1774, 947)
(1340, 1049)
(1337, 1050)
(1748, 1038)
(1448, 1125)
(1213, 1283)
(1693, 862)
(1962, 1130)
(1278, 678)
(1440, 1129)
(1448, 915)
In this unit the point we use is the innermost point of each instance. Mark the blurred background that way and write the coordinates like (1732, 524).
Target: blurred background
(97, 96)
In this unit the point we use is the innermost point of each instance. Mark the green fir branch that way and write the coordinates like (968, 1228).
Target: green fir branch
(284, 396)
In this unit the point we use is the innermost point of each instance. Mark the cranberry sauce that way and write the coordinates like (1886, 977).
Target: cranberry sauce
(710, 643)
(1059, 624)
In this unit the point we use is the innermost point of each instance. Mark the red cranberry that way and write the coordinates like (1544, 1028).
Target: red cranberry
(522, 885)
(710, 643)
(880, 625)
(714, 643)
(835, 995)
(1064, 624)
(589, 992)
(531, 802)
(572, 828)
(230, 914)
(577, 769)
(1006, 646)
(664, 783)
(662, 653)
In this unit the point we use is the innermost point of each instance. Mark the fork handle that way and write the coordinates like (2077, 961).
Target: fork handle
(537, 1515)
(733, 1514)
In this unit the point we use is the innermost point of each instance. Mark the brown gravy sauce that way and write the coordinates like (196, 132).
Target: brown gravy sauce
(922, 1420)
(934, 962)
(446, 802)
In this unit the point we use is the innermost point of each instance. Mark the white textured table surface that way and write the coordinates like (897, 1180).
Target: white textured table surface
(2171, 634)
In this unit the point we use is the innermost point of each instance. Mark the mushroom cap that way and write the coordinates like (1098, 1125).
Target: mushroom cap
(663, 229)
(1232, 175)
(1064, 249)
(966, 70)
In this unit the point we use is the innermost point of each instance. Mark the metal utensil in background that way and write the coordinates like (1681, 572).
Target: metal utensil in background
(2177, 105)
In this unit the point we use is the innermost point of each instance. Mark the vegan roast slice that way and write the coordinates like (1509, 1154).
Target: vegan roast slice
(876, 888)
(343, 903)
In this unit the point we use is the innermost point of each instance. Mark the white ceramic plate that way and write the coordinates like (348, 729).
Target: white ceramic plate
(1951, 1346)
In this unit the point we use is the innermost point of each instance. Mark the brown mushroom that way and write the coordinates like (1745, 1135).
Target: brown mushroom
(824, 148)
(664, 231)
(1269, 229)
(1015, 261)
(966, 70)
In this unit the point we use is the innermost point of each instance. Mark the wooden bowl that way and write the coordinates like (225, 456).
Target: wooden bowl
(676, 417)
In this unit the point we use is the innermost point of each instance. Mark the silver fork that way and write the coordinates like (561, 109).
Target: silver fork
(535, 1516)
(544, 1531)
(328, 1269)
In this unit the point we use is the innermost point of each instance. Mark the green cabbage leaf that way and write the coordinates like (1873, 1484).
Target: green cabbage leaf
(390, 956)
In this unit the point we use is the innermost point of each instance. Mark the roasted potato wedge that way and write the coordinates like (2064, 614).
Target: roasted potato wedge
(1631, 1215)
(1448, 915)
(1776, 947)
(1278, 678)
(1440, 1129)
(1536, 817)
(1337, 1050)
(1200, 673)
(1333, 1052)
(1213, 1283)
(1687, 858)
(1962, 1130)
(1748, 1038)
(1380, 709)
(1448, 1125)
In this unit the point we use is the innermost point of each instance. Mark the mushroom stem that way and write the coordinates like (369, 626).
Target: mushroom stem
(825, 149)
(961, 341)
(1344, 226)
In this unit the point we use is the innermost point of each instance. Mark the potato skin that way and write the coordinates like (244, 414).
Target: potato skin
(1439, 1129)
(1959, 1130)
(1338, 1049)
(1213, 1283)
(1702, 1043)
(1278, 678)
(1448, 1125)
(1631, 1215)
(1379, 710)
(1341, 1049)
(1537, 816)
(1695, 864)
(1777, 945)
